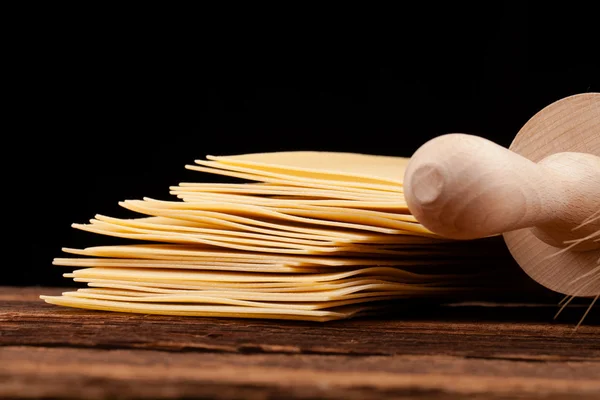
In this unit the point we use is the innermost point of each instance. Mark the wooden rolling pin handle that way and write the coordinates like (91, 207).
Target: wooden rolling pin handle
(466, 187)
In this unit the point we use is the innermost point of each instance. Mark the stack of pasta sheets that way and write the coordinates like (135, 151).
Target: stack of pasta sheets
(299, 235)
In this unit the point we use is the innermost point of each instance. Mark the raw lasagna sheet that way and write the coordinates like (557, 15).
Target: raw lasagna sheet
(154, 286)
(344, 169)
(417, 255)
(207, 310)
(143, 274)
(285, 191)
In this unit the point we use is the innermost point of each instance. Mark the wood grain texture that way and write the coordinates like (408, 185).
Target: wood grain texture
(463, 351)
(41, 372)
(537, 194)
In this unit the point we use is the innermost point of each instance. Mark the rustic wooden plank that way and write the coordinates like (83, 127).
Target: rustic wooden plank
(34, 372)
(474, 332)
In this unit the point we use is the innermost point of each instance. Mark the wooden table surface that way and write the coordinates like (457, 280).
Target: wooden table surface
(467, 351)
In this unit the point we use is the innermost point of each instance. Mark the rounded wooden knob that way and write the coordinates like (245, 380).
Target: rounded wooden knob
(465, 187)
(542, 194)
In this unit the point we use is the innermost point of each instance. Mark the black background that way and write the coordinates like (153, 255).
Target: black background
(112, 104)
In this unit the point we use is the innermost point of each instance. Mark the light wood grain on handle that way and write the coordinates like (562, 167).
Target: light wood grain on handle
(464, 187)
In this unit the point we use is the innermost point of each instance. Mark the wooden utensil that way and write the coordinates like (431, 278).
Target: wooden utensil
(537, 193)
